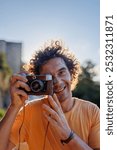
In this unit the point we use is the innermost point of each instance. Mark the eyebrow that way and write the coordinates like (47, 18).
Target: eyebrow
(63, 68)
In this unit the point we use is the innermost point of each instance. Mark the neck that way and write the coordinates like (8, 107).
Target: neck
(67, 104)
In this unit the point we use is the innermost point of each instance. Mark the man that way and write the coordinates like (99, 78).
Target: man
(57, 122)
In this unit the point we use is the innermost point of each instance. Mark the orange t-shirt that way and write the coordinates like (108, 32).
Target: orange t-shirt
(83, 119)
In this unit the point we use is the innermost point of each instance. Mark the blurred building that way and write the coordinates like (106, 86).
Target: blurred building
(13, 54)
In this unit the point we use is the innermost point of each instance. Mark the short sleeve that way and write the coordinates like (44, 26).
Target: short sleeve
(94, 135)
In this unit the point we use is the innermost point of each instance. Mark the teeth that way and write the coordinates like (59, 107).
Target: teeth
(59, 90)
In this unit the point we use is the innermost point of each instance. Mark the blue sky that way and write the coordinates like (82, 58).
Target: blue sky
(33, 22)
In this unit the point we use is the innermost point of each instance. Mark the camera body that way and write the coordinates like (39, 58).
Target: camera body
(40, 84)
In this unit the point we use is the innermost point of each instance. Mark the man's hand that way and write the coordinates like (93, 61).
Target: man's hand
(54, 114)
(18, 96)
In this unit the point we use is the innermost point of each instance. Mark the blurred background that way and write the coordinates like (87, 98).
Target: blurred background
(26, 25)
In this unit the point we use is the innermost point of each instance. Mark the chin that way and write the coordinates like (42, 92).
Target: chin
(62, 97)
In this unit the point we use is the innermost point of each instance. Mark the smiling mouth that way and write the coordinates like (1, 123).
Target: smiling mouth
(59, 90)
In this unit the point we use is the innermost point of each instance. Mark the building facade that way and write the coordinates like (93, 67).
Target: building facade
(13, 54)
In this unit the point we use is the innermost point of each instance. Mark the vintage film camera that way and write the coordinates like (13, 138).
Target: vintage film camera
(40, 84)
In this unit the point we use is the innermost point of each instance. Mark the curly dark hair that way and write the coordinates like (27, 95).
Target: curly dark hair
(53, 50)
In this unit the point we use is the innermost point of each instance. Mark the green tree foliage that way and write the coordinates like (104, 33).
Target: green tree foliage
(5, 73)
(2, 113)
(87, 88)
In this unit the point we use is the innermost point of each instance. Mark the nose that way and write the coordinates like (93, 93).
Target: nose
(55, 80)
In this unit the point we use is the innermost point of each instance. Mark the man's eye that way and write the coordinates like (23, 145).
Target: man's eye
(62, 72)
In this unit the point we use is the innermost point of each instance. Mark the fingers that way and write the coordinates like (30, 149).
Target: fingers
(50, 112)
(50, 119)
(56, 100)
(54, 103)
(19, 81)
(17, 77)
(18, 88)
(54, 111)
(22, 93)
(21, 84)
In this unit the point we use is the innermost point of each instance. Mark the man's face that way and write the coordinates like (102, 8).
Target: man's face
(61, 77)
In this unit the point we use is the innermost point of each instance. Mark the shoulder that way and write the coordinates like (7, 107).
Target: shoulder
(35, 102)
(34, 105)
(88, 112)
(87, 108)
(85, 104)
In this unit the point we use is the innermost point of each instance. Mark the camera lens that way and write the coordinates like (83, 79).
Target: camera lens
(36, 85)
